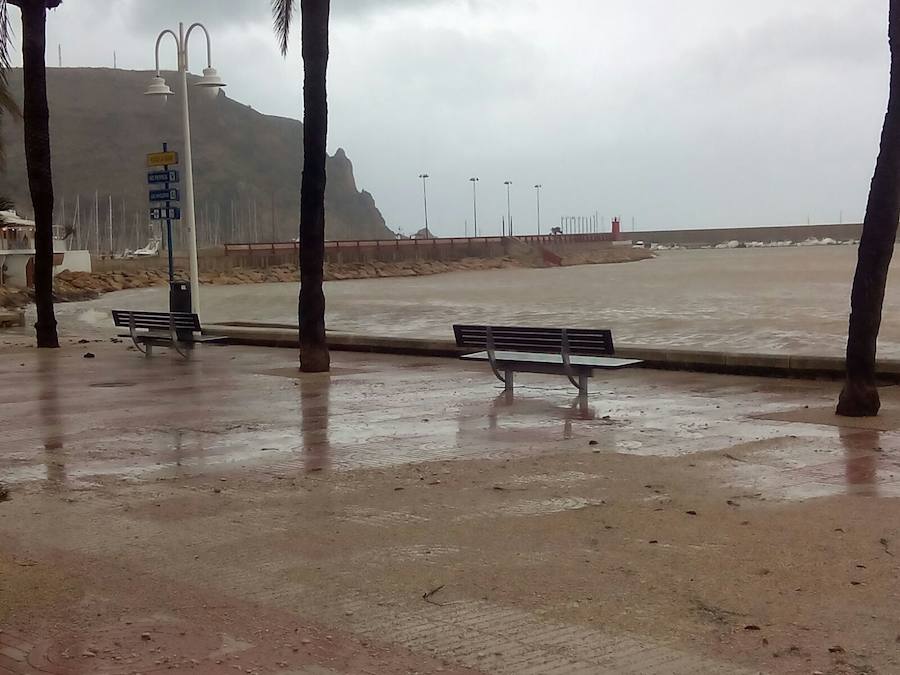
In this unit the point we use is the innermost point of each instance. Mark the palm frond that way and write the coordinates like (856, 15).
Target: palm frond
(5, 34)
(282, 16)
(7, 104)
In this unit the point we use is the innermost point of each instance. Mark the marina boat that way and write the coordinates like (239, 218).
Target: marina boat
(17, 252)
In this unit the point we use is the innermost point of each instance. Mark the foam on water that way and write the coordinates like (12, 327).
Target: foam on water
(94, 317)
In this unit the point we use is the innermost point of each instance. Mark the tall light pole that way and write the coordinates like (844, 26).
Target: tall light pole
(537, 191)
(158, 87)
(424, 177)
(508, 183)
(474, 205)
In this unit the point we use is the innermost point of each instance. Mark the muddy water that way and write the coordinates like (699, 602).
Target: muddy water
(784, 300)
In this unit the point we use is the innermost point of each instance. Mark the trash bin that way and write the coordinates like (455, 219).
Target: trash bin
(180, 301)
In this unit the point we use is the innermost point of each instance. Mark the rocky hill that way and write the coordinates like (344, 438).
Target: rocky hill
(246, 165)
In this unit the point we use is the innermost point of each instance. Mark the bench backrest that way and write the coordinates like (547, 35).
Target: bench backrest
(157, 320)
(582, 341)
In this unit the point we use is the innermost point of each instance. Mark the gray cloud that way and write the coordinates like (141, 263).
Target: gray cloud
(813, 42)
(695, 113)
(237, 12)
(357, 7)
(211, 12)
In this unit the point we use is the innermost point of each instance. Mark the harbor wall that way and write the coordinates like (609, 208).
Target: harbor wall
(794, 233)
(264, 256)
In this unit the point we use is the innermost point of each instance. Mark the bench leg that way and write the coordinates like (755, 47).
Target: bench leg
(582, 390)
(180, 348)
(148, 350)
(509, 380)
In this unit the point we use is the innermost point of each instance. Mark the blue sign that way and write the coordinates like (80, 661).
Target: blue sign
(162, 177)
(169, 195)
(172, 213)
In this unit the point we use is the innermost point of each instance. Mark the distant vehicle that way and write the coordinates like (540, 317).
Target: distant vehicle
(556, 230)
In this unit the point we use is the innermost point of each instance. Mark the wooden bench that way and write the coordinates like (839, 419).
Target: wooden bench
(573, 352)
(162, 329)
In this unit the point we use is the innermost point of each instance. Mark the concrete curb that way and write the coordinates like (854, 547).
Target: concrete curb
(282, 335)
(768, 365)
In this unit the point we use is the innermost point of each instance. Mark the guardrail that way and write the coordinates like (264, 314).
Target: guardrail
(285, 246)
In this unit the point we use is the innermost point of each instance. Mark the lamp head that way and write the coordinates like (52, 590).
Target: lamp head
(210, 79)
(158, 87)
(210, 83)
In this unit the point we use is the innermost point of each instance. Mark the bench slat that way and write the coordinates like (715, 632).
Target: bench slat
(598, 362)
(156, 320)
(159, 325)
(535, 334)
(157, 317)
(592, 342)
(166, 321)
(164, 337)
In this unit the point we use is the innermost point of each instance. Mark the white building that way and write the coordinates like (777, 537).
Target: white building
(17, 252)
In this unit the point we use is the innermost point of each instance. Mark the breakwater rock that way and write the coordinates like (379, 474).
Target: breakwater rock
(78, 286)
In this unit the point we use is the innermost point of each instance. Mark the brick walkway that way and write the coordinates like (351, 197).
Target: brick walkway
(226, 514)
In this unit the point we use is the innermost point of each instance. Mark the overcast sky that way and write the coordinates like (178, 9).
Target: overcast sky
(696, 113)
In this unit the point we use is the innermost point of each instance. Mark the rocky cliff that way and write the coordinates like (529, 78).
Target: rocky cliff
(247, 165)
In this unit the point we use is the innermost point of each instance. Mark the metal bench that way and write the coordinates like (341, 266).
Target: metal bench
(162, 329)
(573, 352)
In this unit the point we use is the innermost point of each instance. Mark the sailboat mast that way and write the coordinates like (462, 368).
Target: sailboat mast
(97, 221)
(76, 222)
(110, 228)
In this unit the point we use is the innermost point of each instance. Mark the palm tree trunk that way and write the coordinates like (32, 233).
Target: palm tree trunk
(859, 397)
(314, 357)
(36, 114)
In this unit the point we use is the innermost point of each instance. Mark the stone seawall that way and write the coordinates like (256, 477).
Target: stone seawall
(79, 286)
(795, 233)
(215, 260)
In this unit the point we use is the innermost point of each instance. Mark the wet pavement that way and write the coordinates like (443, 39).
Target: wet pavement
(69, 419)
(425, 521)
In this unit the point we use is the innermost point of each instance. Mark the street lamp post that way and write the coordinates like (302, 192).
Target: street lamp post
(474, 205)
(158, 87)
(537, 190)
(424, 177)
(508, 183)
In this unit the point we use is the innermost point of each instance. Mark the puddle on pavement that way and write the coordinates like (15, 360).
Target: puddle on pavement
(364, 516)
(537, 507)
(418, 552)
(563, 478)
(335, 427)
(851, 461)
